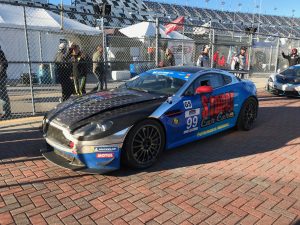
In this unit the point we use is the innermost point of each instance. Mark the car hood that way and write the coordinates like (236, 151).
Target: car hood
(287, 79)
(107, 105)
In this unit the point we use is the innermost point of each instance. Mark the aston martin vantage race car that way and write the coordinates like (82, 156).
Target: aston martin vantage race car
(156, 110)
(285, 83)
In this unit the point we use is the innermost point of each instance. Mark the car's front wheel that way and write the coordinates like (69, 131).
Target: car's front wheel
(248, 114)
(144, 144)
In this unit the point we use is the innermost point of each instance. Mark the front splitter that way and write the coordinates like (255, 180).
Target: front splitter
(62, 162)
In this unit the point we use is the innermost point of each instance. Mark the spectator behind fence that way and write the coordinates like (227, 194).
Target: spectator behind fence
(216, 59)
(79, 70)
(169, 59)
(162, 55)
(98, 67)
(239, 61)
(3, 89)
(203, 59)
(293, 58)
(63, 70)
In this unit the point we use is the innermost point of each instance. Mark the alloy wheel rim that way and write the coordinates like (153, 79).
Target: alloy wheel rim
(250, 113)
(146, 144)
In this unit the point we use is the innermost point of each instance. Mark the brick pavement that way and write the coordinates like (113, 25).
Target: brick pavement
(232, 178)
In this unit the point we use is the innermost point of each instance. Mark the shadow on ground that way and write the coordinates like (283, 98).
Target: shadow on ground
(275, 127)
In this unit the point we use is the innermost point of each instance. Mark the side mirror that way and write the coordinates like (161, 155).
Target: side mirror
(204, 90)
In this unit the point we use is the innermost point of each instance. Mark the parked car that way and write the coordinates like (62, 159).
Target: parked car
(285, 83)
(156, 110)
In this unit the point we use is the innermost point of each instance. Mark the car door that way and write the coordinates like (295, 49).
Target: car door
(182, 119)
(197, 115)
(218, 108)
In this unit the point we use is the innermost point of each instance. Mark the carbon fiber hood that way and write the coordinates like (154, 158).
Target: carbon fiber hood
(102, 105)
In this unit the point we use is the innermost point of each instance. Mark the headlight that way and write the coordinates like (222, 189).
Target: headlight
(93, 128)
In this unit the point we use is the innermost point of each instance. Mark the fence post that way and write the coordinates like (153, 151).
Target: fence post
(277, 54)
(157, 58)
(212, 48)
(250, 52)
(104, 43)
(29, 61)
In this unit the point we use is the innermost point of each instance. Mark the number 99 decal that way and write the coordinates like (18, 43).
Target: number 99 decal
(192, 122)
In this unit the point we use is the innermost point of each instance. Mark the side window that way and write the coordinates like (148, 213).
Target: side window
(227, 79)
(214, 80)
(288, 72)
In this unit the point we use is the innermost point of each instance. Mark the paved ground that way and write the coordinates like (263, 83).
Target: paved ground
(232, 178)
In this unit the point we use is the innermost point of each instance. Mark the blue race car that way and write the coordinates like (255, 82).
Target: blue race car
(156, 110)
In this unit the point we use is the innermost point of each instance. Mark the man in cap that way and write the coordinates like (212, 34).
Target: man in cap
(293, 58)
(3, 89)
(63, 71)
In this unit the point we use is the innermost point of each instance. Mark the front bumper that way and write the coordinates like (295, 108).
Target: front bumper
(98, 156)
(89, 163)
(283, 89)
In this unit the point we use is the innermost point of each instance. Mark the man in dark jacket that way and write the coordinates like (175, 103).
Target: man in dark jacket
(63, 71)
(3, 90)
(293, 58)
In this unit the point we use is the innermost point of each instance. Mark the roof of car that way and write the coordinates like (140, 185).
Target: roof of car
(180, 72)
(185, 69)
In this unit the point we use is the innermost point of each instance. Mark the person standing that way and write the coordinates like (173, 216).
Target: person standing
(79, 70)
(63, 70)
(169, 59)
(3, 89)
(98, 67)
(293, 58)
(203, 59)
(239, 62)
(83, 71)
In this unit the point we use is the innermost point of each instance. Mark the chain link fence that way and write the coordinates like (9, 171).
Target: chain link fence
(51, 58)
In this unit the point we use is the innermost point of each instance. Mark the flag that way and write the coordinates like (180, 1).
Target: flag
(175, 25)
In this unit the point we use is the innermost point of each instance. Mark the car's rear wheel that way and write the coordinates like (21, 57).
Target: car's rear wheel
(248, 114)
(144, 144)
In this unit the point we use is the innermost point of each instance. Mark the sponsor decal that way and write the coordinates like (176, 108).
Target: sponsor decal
(107, 155)
(192, 112)
(191, 120)
(187, 104)
(187, 76)
(190, 130)
(175, 121)
(162, 73)
(203, 133)
(105, 149)
(217, 108)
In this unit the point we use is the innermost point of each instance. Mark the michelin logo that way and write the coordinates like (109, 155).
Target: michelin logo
(105, 149)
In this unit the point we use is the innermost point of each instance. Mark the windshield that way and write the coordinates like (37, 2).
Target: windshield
(293, 71)
(154, 83)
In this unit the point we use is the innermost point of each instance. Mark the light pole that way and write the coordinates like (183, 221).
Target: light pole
(222, 4)
(61, 14)
(293, 22)
(207, 1)
(259, 12)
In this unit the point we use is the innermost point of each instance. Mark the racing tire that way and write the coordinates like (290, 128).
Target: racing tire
(143, 144)
(248, 114)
